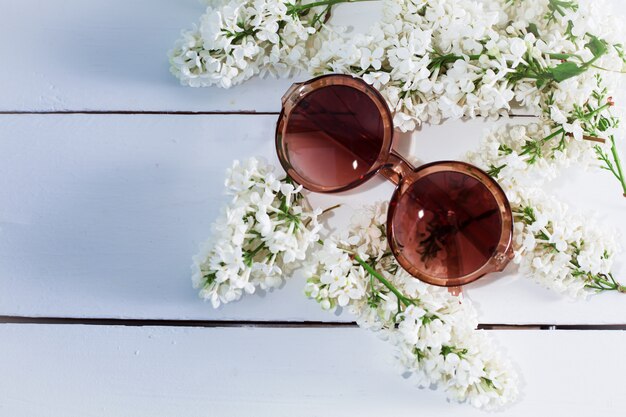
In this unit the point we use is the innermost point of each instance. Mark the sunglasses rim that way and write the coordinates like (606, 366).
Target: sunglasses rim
(299, 91)
(384, 164)
(503, 252)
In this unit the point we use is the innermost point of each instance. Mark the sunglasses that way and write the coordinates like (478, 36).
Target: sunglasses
(448, 224)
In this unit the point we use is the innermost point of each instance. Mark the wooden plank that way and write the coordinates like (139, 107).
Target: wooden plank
(103, 371)
(78, 55)
(100, 215)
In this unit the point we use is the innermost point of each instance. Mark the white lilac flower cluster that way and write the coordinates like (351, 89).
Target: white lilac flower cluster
(504, 155)
(464, 58)
(437, 60)
(434, 332)
(238, 39)
(417, 55)
(259, 238)
(521, 156)
(561, 250)
(564, 251)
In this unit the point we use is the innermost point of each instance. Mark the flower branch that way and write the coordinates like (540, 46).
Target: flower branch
(561, 250)
(434, 332)
(262, 235)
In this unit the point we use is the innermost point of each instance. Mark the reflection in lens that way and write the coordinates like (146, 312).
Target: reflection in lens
(333, 136)
(447, 224)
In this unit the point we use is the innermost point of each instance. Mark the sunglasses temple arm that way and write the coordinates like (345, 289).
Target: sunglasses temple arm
(396, 168)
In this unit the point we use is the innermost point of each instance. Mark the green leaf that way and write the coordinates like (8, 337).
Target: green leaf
(604, 124)
(597, 46)
(541, 82)
(560, 56)
(505, 149)
(532, 28)
(494, 171)
(565, 71)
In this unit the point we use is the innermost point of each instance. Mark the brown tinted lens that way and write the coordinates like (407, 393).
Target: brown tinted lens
(447, 224)
(333, 136)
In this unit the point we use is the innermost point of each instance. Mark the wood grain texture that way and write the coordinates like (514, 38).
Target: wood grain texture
(51, 371)
(83, 55)
(100, 216)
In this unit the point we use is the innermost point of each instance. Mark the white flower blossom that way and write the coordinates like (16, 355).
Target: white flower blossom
(237, 40)
(259, 238)
(564, 251)
(433, 331)
(431, 61)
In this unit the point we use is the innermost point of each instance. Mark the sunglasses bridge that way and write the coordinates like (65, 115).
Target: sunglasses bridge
(402, 174)
(396, 168)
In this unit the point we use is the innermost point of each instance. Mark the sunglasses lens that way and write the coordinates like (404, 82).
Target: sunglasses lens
(333, 136)
(446, 225)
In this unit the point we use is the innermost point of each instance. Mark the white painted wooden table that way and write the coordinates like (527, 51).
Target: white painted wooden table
(110, 175)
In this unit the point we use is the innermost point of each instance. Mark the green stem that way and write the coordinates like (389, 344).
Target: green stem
(585, 117)
(256, 250)
(553, 134)
(383, 281)
(564, 56)
(608, 70)
(618, 165)
(318, 16)
(237, 36)
(336, 206)
(602, 284)
(591, 61)
(297, 9)
(438, 59)
(605, 106)
(608, 165)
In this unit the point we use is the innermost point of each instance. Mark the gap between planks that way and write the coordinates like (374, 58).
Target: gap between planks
(272, 324)
(141, 112)
(171, 113)
(232, 323)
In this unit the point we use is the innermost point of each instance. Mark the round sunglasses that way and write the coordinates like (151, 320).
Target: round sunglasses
(448, 224)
